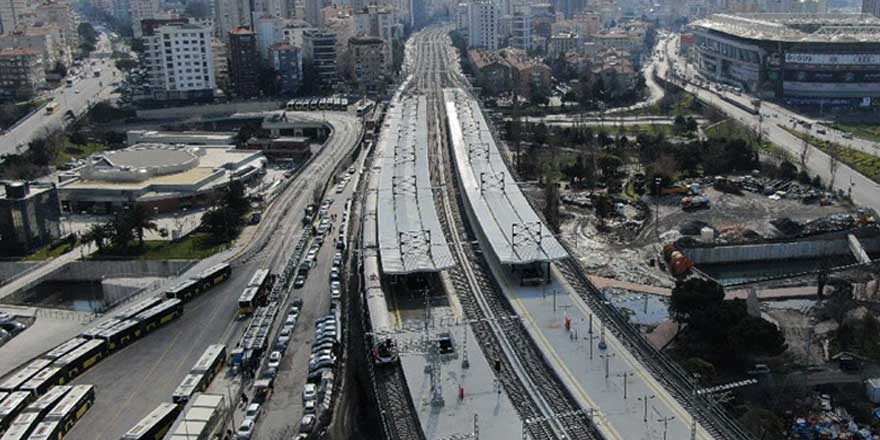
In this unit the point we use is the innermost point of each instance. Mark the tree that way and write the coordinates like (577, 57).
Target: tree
(97, 234)
(757, 336)
(121, 232)
(787, 170)
(88, 38)
(140, 219)
(268, 79)
(609, 164)
(693, 296)
(604, 206)
(42, 151)
(551, 205)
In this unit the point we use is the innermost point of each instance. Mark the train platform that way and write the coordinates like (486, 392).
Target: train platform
(630, 403)
(466, 392)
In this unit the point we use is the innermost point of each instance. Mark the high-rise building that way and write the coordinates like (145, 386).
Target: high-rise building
(221, 63)
(521, 31)
(286, 59)
(21, 72)
(228, 15)
(483, 25)
(30, 217)
(313, 12)
(377, 21)
(179, 60)
(320, 52)
(370, 65)
(142, 10)
(243, 61)
(871, 7)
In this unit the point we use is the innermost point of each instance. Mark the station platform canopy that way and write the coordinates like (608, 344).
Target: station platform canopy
(514, 231)
(411, 239)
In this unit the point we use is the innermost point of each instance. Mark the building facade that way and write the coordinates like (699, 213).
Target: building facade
(801, 58)
(21, 73)
(30, 217)
(320, 52)
(287, 61)
(178, 58)
(243, 62)
(370, 66)
(483, 25)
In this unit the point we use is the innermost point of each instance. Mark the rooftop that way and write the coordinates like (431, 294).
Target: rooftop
(794, 27)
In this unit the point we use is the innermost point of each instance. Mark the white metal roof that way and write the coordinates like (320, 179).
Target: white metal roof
(410, 237)
(804, 28)
(515, 232)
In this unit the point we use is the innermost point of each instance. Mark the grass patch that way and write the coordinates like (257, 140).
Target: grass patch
(75, 151)
(865, 164)
(51, 251)
(867, 132)
(195, 246)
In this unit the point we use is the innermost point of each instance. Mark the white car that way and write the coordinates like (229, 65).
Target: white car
(309, 406)
(253, 411)
(335, 290)
(310, 392)
(291, 319)
(274, 359)
(246, 429)
(285, 334)
(307, 423)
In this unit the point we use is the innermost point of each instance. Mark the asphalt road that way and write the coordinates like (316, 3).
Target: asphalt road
(75, 98)
(864, 191)
(284, 409)
(132, 382)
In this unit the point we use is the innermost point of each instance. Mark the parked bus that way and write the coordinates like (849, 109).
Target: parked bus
(211, 362)
(215, 275)
(121, 334)
(24, 374)
(155, 425)
(72, 407)
(184, 290)
(138, 307)
(11, 406)
(160, 315)
(291, 105)
(47, 430)
(93, 332)
(262, 280)
(192, 383)
(52, 107)
(42, 381)
(47, 401)
(64, 348)
(313, 104)
(248, 301)
(81, 359)
(22, 427)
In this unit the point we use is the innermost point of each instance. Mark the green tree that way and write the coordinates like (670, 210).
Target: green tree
(693, 296)
(269, 80)
(609, 164)
(757, 336)
(121, 232)
(787, 170)
(97, 234)
(551, 205)
(140, 219)
(88, 38)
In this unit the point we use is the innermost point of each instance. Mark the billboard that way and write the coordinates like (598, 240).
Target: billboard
(865, 59)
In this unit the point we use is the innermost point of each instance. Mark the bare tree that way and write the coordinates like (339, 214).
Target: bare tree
(833, 151)
(805, 154)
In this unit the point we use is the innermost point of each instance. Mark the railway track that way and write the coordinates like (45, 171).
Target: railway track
(532, 386)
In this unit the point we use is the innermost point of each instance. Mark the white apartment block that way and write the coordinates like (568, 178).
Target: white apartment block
(179, 62)
(483, 25)
(521, 31)
(142, 10)
(377, 21)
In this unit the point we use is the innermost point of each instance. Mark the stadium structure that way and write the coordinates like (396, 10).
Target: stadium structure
(818, 59)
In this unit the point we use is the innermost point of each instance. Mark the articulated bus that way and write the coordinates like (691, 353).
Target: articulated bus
(192, 383)
(47, 401)
(72, 407)
(64, 348)
(24, 374)
(215, 275)
(138, 307)
(291, 105)
(94, 331)
(155, 425)
(184, 290)
(47, 430)
(262, 280)
(11, 406)
(22, 427)
(81, 359)
(160, 315)
(211, 362)
(121, 334)
(248, 301)
(45, 379)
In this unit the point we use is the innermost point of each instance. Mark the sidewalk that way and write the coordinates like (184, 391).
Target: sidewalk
(764, 294)
(31, 278)
(47, 331)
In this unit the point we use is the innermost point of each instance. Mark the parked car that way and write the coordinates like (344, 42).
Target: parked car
(285, 334)
(274, 359)
(253, 411)
(246, 429)
(13, 327)
(310, 392)
(307, 423)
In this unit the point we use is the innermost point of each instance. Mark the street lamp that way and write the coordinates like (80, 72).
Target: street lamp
(665, 421)
(645, 400)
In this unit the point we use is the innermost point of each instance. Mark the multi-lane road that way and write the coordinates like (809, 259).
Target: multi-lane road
(134, 381)
(87, 89)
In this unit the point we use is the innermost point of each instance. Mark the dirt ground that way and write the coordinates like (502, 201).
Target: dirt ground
(611, 255)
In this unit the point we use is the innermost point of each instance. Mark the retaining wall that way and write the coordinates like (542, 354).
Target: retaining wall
(776, 251)
(191, 111)
(9, 269)
(95, 270)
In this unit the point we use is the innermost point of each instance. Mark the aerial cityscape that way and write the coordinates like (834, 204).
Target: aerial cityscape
(439, 219)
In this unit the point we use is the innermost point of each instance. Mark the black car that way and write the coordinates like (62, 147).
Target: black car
(299, 281)
(13, 327)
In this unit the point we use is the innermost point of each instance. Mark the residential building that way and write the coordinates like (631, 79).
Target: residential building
(871, 7)
(370, 66)
(320, 52)
(563, 42)
(46, 39)
(21, 72)
(526, 74)
(590, 22)
(30, 217)
(228, 15)
(616, 69)
(341, 22)
(287, 61)
(313, 12)
(293, 30)
(521, 31)
(493, 73)
(483, 25)
(11, 12)
(461, 17)
(179, 60)
(142, 10)
(243, 62)
(378, 21)
(269, 32)
(60, 14)
(220, 59)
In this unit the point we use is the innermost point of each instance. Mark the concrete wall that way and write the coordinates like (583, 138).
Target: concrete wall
(193, 111)
(95, 270)
(10, 269)
(775, 251)
(117, 290)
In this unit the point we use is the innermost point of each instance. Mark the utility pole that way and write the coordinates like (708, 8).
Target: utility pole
(665, 421)
(625, 376)
(606, 357)
(645, 400)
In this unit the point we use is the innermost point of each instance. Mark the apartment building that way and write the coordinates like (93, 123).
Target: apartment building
(243, 62)
(179, 61)
(483, 25)
(21, 72)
